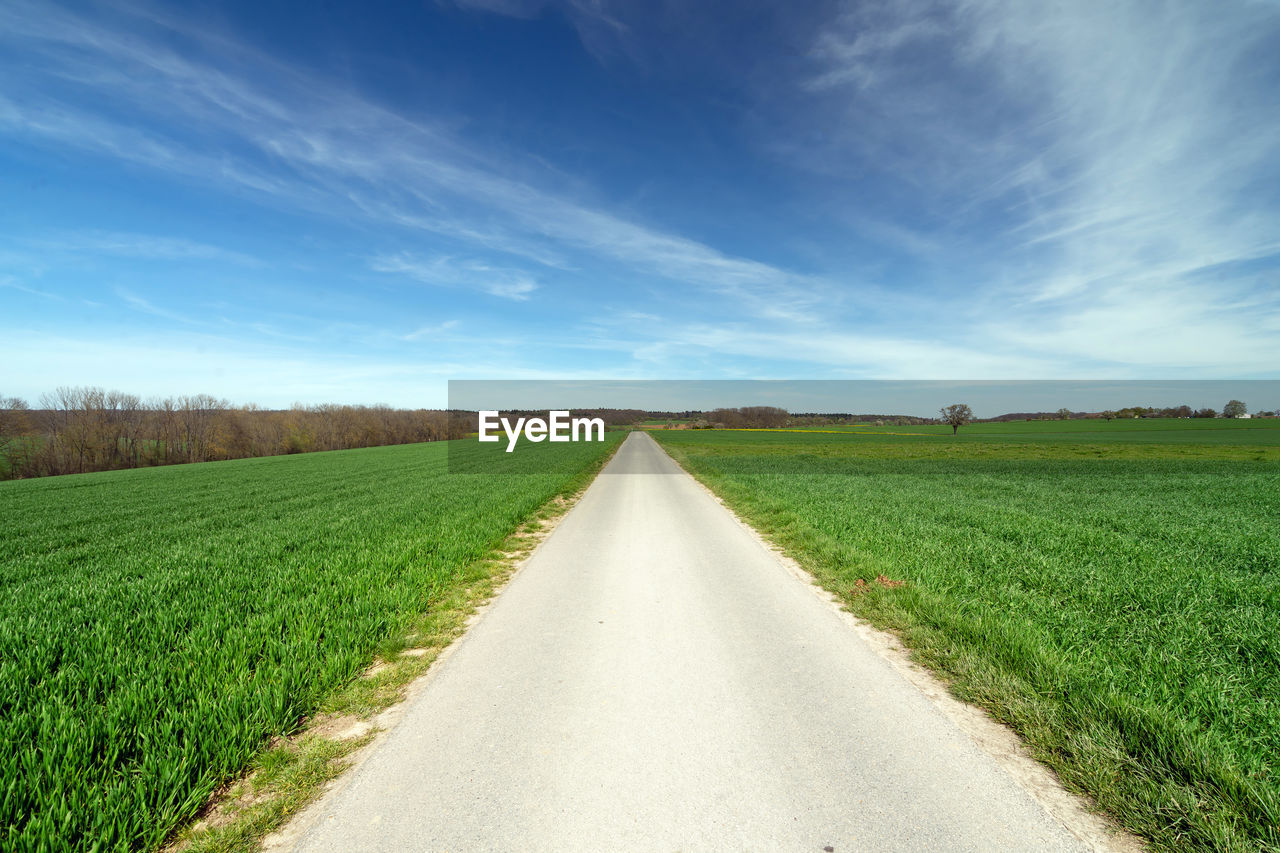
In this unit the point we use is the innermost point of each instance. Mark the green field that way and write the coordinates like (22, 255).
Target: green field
(1111, 591)
(1257, 440)
(1106, 429)
(159, 625)
(1212, 431)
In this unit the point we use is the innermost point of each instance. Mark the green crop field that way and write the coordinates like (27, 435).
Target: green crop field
(1114, 597)
(1212, 431)
(159, 625)
(1105, 430)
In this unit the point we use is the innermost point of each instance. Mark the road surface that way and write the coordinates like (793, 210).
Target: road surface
(654, 679)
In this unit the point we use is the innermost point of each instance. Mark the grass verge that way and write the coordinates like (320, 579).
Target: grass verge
(1119, 613)
(293, 771)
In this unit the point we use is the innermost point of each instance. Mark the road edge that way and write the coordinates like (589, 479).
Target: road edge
(349, 739)
(291, 832)
(1076, 812)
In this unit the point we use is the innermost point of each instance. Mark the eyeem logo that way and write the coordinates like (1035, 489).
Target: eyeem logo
(560, 428)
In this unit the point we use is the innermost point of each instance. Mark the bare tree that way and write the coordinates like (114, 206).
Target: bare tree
(957, 414)
(13, 417)
(750, 417)
(84, 429)
(15, 441)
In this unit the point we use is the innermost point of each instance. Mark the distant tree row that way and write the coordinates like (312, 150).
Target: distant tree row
(846, 419)
(77, 430)
(1232, 409)
(746, 417)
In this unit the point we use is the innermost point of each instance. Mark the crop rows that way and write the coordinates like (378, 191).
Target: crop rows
(1122, 614)
(159, 625)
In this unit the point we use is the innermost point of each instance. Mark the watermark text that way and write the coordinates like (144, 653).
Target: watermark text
(559, 426)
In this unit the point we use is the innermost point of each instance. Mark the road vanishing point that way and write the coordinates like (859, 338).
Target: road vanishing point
(655, 678)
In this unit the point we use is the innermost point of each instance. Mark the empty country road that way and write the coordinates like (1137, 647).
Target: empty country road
(655, 679)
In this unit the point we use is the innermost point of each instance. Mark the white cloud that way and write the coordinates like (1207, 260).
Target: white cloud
(8, 281)
(688, 349)
(467, 273)
(331, 151)
(143, 246)
(1095, 167)
(1114, 154)
(138, 303)
(600, 26)
(431, 331)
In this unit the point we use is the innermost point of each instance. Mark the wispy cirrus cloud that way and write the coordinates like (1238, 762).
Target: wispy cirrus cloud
(272, 131)
(139, 303)
(431, 331)
(601, 25)
(141, 246)
(469, 273)
(678, 348)
(1075, 189)
(1069, 172)
(8, 281)
(1108, 156)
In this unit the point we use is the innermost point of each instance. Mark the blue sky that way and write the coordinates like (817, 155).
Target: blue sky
(307, 202)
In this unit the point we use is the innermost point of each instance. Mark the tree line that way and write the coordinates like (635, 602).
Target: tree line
(744, 417)
(1232, 409)
(78, 430)
(849, 419)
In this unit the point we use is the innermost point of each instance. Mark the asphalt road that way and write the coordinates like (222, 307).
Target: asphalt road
(654, 679)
